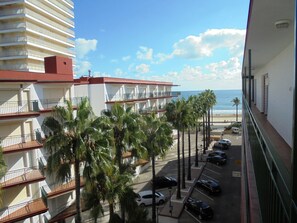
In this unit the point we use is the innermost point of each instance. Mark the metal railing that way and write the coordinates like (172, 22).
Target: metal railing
(272, 178)
(52, 102)
(16, 139)
(17, 106)
(17, 173)
(137, 96)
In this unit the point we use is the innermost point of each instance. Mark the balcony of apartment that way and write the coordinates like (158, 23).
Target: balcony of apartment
(47, 105)
(23, 54)
(18, 109)
(21, 177)
(24, 67)
(41, 20)
(22, 211)
(51, 13)
(23, 40)
(61, 7)
(64, 211)
(17, 143)
(58, 189)
(271, 157)
(132, 97)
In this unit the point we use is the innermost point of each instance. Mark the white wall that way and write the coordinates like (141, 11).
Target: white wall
(97, 98)
(280, 92)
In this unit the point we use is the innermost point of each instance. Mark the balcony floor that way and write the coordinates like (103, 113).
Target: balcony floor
(22, 147)
(283, 150)
(30, 177)
(34, 208)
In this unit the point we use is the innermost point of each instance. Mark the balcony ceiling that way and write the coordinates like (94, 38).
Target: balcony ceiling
(263, 38)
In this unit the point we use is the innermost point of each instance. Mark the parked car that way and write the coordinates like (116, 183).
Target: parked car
(211, 186)
(145, 198)
(218, 153)
(199, 208)
(225, 141)
(163, 181)
(217, 160)
(235, 130)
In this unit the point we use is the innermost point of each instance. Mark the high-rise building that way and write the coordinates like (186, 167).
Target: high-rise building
(269, 156)
(31, 30)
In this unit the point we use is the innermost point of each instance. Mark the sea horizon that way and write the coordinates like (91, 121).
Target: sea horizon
(224, 98)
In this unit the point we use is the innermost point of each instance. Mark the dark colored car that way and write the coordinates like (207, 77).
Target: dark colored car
(217, 160)
(163, 181)
(218, 153)
(211, 186)
(219, 145)
(199, 208)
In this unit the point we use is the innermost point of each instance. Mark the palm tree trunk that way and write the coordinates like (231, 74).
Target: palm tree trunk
(111, 210)
(237, 113)
(203, 133)
(208, 132)
(196, 146)
(178, 195)
(77, 191)
(183, 161)
(189, 156)
(153, 189)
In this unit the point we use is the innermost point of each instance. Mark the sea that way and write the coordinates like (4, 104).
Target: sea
(223, 97)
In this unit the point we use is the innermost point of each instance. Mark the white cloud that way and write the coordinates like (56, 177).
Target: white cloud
(206, 43)
(142, 68)
(144, 53)
(84, 46)
(82, 68)
(118, 72)
(126, 58)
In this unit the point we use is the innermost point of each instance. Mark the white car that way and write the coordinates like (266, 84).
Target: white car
(145, 198)
(225, 142)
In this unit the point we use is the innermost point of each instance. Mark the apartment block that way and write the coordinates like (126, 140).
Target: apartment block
(31, 30)
(143, 96)
(269, 157)
(26, 98)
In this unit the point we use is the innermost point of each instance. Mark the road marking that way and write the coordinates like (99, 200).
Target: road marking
(236, 174)
(203, 194)
(212, 171)
(210, 177)
(193, 216)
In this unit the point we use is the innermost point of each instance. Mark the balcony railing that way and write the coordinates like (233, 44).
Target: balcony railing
(272, 177)
(17, 143)
(52, 102)
(7, 107)
(139, 96)
(22, 211)
(21, 176)
(57, 189)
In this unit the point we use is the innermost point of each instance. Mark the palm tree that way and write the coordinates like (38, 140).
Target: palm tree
(2, 170)
(158, 140)
(236, 102)
(67, 142)
(174, 114)
(125, 134)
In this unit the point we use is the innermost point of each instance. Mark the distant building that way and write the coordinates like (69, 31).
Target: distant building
(31, 30)
(269, 164)
(144, 96)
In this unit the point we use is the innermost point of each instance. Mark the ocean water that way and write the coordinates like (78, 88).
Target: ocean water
(224, 98)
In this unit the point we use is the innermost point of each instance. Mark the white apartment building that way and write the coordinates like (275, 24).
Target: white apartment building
(31, 30)
(26, 98)
(144, 96)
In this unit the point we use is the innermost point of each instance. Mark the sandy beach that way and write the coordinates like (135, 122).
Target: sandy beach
(225, 118)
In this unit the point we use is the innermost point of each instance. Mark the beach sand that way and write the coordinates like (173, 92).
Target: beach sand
(225, 118)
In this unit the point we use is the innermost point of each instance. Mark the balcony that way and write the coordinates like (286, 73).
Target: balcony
(131, 97)
(19, 143)
(48, 104)
(15, 109)
(60, 189)
(21, 177)
(22, 211)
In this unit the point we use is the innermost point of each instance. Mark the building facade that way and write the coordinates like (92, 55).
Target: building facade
(143, 96)
(31, 30)
(269, 156)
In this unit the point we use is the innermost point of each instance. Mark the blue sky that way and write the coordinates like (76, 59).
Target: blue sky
(195, 44)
